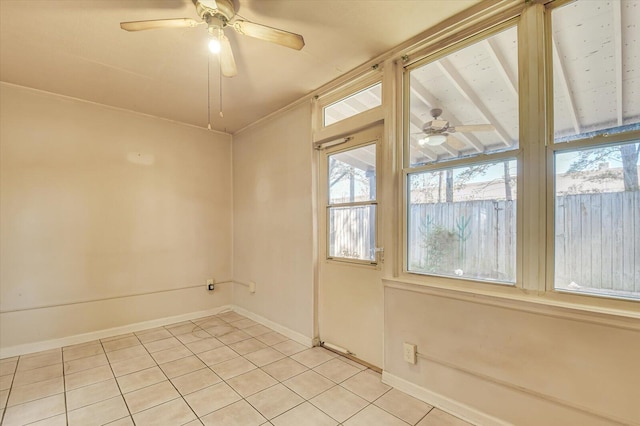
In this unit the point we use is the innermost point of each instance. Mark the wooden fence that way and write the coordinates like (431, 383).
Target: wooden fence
(351, 232)
(597, 239)
(475, 239)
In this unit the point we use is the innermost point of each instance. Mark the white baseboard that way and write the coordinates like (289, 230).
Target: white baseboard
(101, 334)
(441, 402)
(129, 328)
(293, 335)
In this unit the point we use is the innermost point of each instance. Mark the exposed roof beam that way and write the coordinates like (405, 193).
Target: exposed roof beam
(501, 66)
(564, 87)
(358, 161)
(465, 90)
(450, 150)
(373, 95)
(345, 110)
(430, 101)
(354, 105)
(617, 37)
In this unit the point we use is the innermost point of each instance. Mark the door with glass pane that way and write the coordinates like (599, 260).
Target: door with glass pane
(350, 287)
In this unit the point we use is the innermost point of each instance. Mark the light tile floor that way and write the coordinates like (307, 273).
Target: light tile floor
(220, 370)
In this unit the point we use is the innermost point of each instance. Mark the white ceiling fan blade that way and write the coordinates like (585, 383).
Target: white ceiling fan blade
(227, 62)
(475, 128)
(455, 143)
(274, 35)
(159, 23)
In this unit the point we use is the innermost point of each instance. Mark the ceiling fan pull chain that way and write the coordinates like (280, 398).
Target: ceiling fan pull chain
(220, 86)
(209, 91)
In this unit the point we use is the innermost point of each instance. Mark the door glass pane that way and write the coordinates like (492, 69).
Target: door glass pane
(352, 232)
(462, 222)
(352, 175)
(597, 221)
(596, 68)
(362, 101)
(466, 103)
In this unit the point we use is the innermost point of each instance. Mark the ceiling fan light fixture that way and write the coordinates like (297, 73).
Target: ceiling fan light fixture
(433, 140)
(214, 45)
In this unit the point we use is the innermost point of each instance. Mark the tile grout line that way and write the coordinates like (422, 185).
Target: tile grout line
(64, 389)
(427, 413)
(165, 374)
(6, 405)
(116, 380)
(197, 328)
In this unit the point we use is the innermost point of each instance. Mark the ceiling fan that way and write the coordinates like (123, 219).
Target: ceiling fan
(217, 15)
(438, 131)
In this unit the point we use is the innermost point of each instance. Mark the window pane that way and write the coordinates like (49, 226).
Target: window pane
(597, 221)
(596, 68)
(462, 222)
(465, 103)
(362, 101)
(352, 175)
(352, 232)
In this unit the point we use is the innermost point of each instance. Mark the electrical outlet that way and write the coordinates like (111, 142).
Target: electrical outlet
(252, 287)
(210, 284)
(410, 351)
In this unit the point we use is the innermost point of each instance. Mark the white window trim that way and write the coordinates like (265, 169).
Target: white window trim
(534, 282)
(458, 282)
(359, 139)
(322, 133)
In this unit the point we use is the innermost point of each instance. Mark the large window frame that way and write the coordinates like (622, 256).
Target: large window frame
(535, 156)
(407, 170)
(590, 140)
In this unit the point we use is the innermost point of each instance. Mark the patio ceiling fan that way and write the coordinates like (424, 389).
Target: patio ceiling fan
(438, 131)
(218, 15)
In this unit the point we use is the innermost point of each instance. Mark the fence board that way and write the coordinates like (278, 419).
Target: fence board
(607, 242)
(616, 257)
(627, 225)
(596, 241)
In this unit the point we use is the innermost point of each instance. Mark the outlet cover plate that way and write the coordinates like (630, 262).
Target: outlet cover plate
(410, 351)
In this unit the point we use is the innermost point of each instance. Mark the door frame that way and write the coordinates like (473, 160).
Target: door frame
(372, 134)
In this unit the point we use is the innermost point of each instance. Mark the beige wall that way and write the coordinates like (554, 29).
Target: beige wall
(526, 368)
(273, 227)
(99, 203)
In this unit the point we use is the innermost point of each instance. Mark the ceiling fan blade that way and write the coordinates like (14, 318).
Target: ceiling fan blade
(159, 23)
(455, 143)
(475, 128)
(274, 35)
(227, 62)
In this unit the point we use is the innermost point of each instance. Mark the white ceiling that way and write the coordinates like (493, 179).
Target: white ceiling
(76, 48)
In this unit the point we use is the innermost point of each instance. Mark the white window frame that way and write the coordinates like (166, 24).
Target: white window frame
(360, 139)
(322, 133)
(516, 154)
(612, 303)
(536, 196)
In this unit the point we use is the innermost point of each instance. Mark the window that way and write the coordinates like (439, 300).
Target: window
(597, 221)
(461, 162)
(351, 209)
(359, 102)
(596, 194)
(462, 221)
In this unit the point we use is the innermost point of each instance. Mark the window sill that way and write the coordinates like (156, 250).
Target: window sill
(625, 315)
